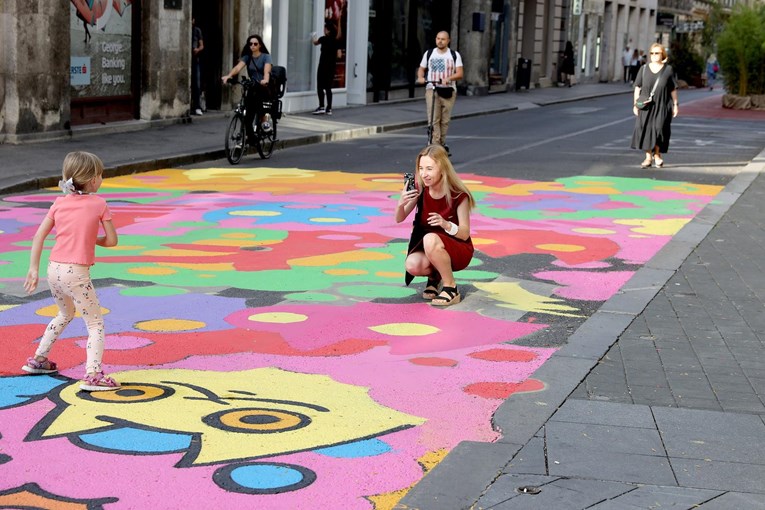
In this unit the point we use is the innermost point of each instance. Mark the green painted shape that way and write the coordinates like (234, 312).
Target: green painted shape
(152, 291)
(311, 297)
(376, 291)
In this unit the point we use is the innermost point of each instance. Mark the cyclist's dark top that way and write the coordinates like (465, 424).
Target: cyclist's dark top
(256, 66)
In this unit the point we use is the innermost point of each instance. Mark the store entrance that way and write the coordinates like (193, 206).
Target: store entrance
(208, 16)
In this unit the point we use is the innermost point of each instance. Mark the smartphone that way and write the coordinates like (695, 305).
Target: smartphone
(409, 180)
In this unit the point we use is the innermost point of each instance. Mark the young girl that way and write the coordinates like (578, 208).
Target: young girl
(440, 242)
(77, 217)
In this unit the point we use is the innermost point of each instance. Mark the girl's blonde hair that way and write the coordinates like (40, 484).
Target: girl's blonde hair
(451, 182)
(82, 167)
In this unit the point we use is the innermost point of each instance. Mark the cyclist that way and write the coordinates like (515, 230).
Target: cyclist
(257, 60)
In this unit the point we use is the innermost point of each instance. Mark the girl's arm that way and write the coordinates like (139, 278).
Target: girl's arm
(30, 284)
(406, 203)
(110, 239)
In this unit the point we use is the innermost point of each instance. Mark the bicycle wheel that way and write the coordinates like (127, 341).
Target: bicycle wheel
(235, 140)
(266, 142)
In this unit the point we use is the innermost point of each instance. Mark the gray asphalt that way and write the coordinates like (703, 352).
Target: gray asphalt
(657, 400)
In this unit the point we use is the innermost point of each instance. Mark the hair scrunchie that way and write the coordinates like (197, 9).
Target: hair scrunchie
(67, 186)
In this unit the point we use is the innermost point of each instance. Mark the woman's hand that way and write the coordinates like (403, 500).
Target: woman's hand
(634, 110)
(225, 79)
(408, 197)
(675, 110)
(436, 220)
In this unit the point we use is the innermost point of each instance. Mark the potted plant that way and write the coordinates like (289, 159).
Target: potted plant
(741, 53)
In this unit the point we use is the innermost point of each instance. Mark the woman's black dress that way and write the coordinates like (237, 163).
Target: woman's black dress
(652, 126)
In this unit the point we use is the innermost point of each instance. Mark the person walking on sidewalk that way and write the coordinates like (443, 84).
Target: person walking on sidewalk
(77, 216)
(567, 66)
(655, 81)
(325, 74)
(626, 60)
(440, 243)
(197, 45)
(443, 66)
(257, 60)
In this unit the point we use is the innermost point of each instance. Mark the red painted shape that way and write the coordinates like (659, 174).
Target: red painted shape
(434, 362)
(164, 348)
(514, 242)
(520, 356)
(502, 390)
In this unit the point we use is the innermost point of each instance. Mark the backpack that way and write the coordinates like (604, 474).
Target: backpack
(454, 55)
(279, 79)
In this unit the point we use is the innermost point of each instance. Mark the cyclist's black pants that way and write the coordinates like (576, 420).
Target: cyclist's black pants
(254, 105)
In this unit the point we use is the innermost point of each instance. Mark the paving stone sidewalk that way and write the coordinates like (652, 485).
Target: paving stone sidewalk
(674, 414)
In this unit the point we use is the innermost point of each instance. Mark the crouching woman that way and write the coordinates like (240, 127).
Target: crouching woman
(440, 242)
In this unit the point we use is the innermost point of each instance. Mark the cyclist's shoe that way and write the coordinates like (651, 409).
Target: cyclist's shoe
(266, 127)
(328, 111)
(319, 111)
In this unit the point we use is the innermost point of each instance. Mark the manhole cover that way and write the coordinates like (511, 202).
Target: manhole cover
(528, 489)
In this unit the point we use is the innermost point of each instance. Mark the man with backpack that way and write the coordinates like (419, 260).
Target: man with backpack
(443, 66)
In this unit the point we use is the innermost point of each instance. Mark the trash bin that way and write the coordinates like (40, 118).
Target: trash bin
(523, 74)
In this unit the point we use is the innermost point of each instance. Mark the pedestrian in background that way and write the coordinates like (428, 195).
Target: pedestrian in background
(656, 80)
(712, 69)
(443, 66)
(440, 243)
(634, 65)
(325, 74)
(77, 217)
(567, 67)
(626, 59)
(257, 60)
(197, 46)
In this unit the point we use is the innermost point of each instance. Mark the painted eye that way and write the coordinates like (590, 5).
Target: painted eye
(129, 394)
(256, 420)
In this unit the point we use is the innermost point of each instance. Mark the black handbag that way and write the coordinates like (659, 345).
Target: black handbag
(645, 104)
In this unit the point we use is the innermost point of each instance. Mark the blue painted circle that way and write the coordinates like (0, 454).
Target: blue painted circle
(263, 477)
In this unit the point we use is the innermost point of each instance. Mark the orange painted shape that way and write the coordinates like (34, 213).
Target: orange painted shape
(502, 390)
(434, 362)
(516, 355)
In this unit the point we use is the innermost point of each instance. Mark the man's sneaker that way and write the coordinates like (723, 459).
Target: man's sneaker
(197, 112)
(328, 111)
(319, 111)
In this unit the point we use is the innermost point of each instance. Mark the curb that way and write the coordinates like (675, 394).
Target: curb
(522, 415)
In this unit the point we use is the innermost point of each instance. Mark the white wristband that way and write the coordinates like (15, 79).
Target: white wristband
(452, 230)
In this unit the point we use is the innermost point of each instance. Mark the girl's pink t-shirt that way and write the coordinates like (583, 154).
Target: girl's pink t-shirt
(77, 219)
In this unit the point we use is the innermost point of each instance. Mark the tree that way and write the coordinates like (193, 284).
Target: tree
(741, 51)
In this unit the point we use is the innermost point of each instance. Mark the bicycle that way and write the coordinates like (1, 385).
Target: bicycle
(236, 134)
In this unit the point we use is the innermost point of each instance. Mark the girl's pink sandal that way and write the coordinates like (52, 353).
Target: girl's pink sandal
(98, 382)
(39, 367)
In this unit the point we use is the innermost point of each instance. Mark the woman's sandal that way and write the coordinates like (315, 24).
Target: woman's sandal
(98, 382)
(658, 162)
(647, 162)
(39, 367)
(431, 289)
(452, 297)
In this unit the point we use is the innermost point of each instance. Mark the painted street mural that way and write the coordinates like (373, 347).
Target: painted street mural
(270, 354)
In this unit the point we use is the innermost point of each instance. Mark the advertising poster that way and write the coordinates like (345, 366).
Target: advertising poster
(100, 33)
(336, 11)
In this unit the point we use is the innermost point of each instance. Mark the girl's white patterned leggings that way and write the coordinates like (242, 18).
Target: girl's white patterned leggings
(74, 292)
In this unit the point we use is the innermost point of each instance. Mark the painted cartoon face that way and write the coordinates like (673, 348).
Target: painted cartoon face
(231, 415)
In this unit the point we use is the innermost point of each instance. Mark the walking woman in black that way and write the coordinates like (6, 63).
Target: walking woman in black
(655, 80)
(325, 74)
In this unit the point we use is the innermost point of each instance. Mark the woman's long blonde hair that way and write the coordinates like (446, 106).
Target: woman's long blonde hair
(451, 182)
